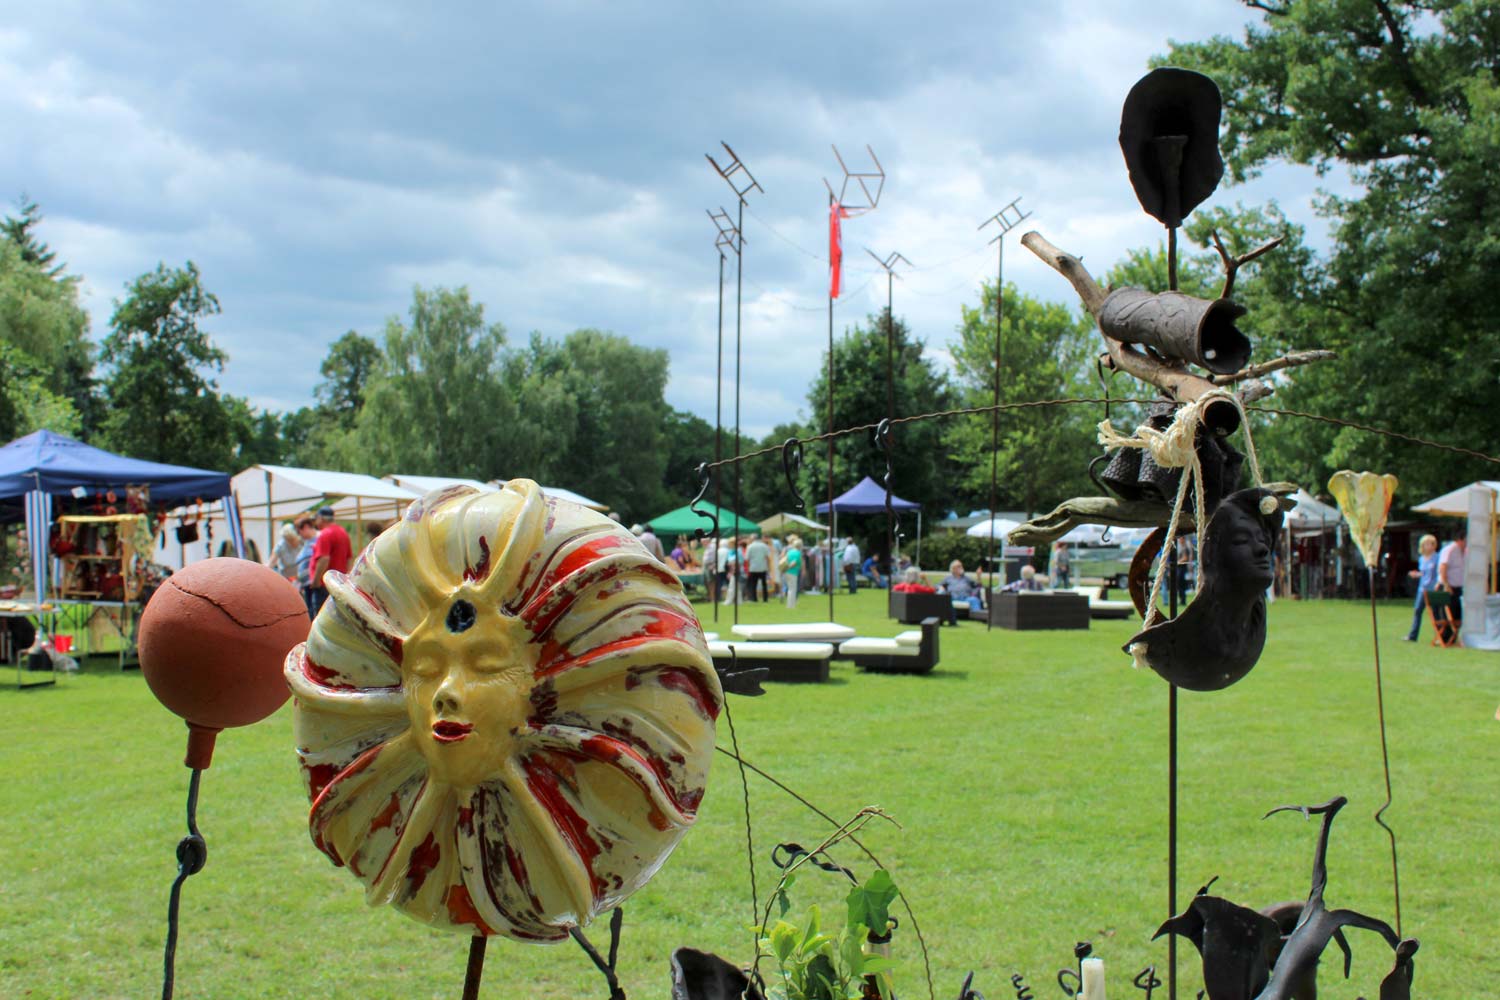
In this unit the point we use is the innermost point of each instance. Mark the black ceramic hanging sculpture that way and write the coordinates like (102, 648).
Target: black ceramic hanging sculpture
(1237, 944)
(1219, 637)
(1169, 133)
(702, 975)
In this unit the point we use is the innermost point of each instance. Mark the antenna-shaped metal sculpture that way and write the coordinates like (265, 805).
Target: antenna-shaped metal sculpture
(727, 238)
(741, 181)
(870, 185)
(1005, 220)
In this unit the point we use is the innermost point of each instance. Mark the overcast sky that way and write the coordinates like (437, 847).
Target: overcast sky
(317, 160)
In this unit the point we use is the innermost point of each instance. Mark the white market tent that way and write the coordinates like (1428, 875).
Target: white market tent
(426, 484)
(1312, 516)
(1456, 502)
(784, 520)
(558, 493)
(1003, 526)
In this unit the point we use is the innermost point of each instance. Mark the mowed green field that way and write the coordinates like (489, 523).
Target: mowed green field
(1029, 775)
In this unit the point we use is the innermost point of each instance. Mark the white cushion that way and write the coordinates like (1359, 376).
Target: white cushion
(710, 636)
(1112, 605)
(911, 637)
(877, 647)
(771, 650)
(810, 631)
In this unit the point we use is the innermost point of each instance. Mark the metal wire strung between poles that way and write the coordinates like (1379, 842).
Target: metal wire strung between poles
(1096, 401)
(836, 824)
(192, 855)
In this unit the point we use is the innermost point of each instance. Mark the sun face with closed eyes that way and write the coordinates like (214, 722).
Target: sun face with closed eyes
(504, 714)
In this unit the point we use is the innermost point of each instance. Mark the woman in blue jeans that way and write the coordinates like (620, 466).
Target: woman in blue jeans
(1426, 577)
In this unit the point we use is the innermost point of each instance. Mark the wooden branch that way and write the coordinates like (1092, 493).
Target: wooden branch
(1233, 263)
(1070, 514)
(1069, 267)
(1293, 360)
(1253, 391)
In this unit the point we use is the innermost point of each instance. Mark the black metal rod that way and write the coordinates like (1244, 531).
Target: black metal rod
(475, 971)
(606, 968)
(1385, 757)
(1171, 258)
(989, 617)
(739, 286)
(192, 855)
(718, 445)
(890, 414)
(832, 517)
(1171, 570)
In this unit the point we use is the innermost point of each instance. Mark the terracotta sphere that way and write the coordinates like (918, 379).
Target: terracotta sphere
(212, 642)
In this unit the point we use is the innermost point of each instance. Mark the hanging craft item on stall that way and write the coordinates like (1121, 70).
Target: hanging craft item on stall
(504, 714)
(1365, 500)
(1219, 637)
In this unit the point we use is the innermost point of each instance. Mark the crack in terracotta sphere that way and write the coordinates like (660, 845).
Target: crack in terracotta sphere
(504, 714)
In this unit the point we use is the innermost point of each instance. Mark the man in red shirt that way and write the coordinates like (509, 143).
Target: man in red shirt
(331, 551)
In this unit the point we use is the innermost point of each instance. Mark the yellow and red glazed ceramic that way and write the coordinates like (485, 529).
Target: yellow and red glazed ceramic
(505, 714)
(1365, 499)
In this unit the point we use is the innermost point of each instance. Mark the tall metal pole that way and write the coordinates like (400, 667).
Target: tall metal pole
(832, 520)
(718, 444)
(889, 263)
(1005, 220)
(739, 285)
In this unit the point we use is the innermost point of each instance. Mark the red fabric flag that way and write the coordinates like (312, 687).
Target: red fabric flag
(835, 248)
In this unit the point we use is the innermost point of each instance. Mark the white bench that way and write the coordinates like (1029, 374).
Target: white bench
(1099, 607)
(913, 651)
(800, 632)
(788, 662)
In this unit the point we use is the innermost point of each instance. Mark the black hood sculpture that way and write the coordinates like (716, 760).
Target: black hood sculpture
(1219, 637)
(1237, 943)
(1169, 133)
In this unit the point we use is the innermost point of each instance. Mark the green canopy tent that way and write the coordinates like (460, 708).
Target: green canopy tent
(683, 521)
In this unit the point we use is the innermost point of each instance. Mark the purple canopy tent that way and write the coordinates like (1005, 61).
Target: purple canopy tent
(868, 497)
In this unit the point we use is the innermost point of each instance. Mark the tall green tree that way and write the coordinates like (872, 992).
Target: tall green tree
(859, 398)
(351, 363)
(164, 403)
(592, 413)
(20, 230)
(1046, 352)
(439, 405)
(1405, 97)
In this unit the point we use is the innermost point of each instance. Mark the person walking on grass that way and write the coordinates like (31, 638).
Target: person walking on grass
(757, 567)
(791, 569)
(1426, 575)
(1450, 572)
(851, 565)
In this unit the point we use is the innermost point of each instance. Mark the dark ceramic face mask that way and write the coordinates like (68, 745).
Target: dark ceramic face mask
(1219, 637)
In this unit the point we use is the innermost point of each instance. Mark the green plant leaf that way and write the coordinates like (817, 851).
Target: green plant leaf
(823, 981)
(870, 904)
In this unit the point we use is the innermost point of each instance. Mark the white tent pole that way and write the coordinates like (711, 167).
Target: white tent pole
(270, 518)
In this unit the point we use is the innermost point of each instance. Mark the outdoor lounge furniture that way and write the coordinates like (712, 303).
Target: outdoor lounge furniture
(797, 632)
(1040, 610)
(788, 662)
(1099, 606)
(910, 608)
(911, 652)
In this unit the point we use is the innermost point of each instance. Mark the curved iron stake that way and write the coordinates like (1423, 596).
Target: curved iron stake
(192, 855)
(887, 442)
(1146, 981)
(704, 477)
(791, 464)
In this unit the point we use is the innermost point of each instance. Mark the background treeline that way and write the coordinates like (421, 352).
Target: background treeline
(1404, 98)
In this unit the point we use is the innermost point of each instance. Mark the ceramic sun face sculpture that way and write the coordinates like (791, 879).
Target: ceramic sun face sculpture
(505, 714)
(1218, 638)
(1365, 499)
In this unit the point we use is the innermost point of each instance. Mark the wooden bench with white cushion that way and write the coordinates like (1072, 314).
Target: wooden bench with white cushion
(788, 662)
(799, 632)
(1099, 606)
(914, 651)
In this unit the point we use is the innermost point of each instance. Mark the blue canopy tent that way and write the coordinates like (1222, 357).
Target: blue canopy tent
(868, 497)
(39, 466)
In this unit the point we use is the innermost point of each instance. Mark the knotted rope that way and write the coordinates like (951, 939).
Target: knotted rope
(1176, 448)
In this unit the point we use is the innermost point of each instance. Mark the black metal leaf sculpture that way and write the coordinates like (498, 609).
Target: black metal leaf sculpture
(1169, 133)
(701, 975)
(1238, 944)
(1219, 637)
(1318, 924)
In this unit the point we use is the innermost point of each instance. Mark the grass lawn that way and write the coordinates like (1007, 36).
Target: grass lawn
(1029, 774)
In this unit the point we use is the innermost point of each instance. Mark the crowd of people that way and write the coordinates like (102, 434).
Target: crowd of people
(311, 546)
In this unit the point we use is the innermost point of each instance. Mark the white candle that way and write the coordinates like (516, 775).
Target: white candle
(1093, 980)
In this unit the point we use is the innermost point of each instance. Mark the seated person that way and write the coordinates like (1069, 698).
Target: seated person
(870, 570)
(679, 556)
(960, 588)
(912, 583)
(1029, 581)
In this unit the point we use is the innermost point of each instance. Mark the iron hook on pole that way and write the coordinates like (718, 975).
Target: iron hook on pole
(791, 465)
(704, 478)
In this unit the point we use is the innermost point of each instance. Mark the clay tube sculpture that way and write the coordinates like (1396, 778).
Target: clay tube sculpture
(1219, 637)
(1199, 331)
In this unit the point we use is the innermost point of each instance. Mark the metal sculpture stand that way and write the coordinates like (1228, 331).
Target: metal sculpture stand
(475, 971)
(192, 855)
